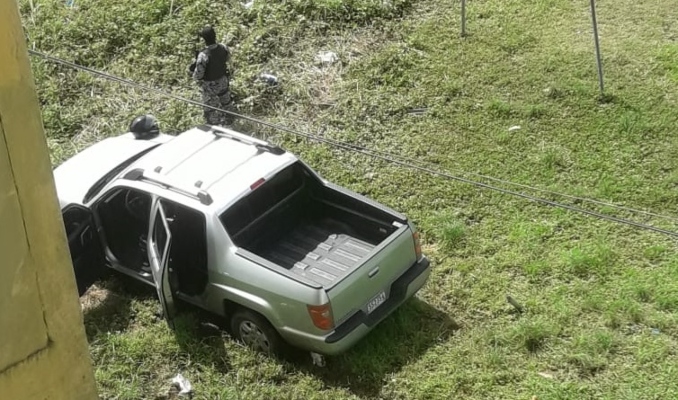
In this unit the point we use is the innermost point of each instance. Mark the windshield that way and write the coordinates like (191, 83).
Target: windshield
(265, 197)
(98, 185)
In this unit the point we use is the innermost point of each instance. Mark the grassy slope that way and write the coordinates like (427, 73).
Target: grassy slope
(593, 290)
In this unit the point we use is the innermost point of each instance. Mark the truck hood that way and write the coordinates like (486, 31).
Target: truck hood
(76, 175)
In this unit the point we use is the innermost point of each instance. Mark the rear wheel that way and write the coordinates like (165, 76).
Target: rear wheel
(256, 332)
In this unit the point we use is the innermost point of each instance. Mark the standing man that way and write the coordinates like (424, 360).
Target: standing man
(210, 71)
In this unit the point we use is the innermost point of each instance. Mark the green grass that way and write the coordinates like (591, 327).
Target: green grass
(600, 299)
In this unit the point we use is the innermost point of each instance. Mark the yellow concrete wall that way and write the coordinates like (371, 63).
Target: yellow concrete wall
(43, 349)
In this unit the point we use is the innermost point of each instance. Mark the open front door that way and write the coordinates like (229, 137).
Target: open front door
(158, 251)
(86, 250)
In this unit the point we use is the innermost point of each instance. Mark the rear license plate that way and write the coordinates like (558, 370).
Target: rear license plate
(376, 302)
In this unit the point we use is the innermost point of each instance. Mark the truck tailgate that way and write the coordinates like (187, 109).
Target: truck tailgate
(369, 285)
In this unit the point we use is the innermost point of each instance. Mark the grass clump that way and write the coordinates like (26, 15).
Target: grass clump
(334, 11)
(668, 60)
(591, 261)
(621, 312)
(590, 352)
(448, 229)
(530, 335)
(390, 67)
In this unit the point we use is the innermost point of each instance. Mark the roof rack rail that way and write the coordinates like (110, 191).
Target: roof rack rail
(138, 174)
(242, 138)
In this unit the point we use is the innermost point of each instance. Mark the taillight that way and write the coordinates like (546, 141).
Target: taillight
(321, 316)
(417, 244)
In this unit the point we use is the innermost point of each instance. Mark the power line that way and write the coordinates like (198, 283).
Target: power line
(510, 183)
(528, 197)
(394, 159)
(576, 198)
(336, 142)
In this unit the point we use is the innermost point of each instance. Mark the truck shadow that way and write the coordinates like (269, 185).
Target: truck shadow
(401, 338)
(108, 307)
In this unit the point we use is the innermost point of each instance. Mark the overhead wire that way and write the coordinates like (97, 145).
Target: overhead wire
(393, 158)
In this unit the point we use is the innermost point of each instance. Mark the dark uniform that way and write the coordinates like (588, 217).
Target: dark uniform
(212, 76)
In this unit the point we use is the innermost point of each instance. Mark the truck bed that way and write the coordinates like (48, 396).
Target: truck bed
(318, 250)
(319, 232)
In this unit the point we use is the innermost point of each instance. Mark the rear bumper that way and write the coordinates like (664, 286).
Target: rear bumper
(360, 324)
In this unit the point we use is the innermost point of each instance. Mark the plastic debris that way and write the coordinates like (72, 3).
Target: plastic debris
(269, 79)
(514, 128)
(418, 111)
(327, 57)
(183, 384)
(514, 303)
(655, 331)
(318, 359)
(545, 375)
(248, 5)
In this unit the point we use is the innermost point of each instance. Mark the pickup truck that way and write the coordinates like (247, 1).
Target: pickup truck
(240, 228)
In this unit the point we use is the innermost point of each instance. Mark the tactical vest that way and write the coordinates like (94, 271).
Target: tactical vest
(216, 64)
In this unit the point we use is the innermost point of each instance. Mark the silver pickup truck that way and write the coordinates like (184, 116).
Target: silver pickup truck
(243, 229)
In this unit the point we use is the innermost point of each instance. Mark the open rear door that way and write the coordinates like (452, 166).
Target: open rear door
(86, 250)
(158, 251)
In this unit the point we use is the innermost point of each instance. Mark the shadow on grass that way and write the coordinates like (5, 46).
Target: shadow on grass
(203, 341)
(107, 308)
(107, 305)
(398, 340)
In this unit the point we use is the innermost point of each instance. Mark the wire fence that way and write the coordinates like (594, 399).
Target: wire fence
(402, 161)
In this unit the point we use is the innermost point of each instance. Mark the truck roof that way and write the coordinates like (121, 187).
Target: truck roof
(211, 162)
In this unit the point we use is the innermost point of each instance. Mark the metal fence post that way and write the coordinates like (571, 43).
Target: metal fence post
(598, 57)
(463, 18)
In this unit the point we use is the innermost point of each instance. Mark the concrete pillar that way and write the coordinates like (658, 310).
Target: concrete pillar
(43, 348)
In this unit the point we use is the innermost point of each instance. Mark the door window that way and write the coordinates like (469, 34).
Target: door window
(246, 210)
(74, 218)
(160, 235)
(125, 215)
(160, 244)
(84, 245)
(188, 253)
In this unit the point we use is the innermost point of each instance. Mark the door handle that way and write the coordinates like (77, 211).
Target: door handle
(86, 235)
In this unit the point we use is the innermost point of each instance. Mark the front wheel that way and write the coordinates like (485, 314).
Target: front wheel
(256, 332)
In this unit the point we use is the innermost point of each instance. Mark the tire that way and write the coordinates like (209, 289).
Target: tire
(256, 333)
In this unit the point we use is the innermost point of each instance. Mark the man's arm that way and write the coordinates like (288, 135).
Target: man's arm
(200, 65)
(191, 68)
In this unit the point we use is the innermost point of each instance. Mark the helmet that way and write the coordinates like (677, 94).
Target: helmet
(144, 127)
(208, 34)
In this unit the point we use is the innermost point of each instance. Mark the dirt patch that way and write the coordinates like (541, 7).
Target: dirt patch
(95, 296)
